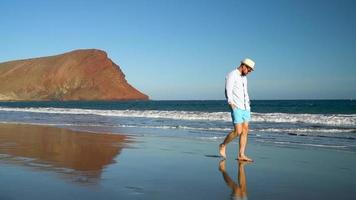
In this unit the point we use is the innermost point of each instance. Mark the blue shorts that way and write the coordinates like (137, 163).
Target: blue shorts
(239, 116)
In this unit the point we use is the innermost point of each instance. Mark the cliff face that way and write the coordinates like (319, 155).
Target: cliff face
(76, 75)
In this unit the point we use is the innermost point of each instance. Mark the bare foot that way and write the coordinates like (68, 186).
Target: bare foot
(222, 165)
(222, 150)
(244, 158)
(242, 163)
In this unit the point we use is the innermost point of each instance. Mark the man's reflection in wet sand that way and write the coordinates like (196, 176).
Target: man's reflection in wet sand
(79, 156)
(239, 189)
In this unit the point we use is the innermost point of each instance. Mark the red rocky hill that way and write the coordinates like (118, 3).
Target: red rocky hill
(76, 75)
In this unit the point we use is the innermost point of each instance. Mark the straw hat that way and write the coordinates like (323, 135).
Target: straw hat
(250, 63)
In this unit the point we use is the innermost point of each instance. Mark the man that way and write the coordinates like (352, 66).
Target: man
(239, 102)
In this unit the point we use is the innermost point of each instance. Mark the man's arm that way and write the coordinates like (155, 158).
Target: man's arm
(229, 87)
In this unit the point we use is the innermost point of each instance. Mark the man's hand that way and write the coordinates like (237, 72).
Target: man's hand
(232, 106)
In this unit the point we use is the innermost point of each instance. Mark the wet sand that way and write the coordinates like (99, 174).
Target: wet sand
(39, 162)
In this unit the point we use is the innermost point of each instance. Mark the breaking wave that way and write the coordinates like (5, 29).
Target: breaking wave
(339, 120)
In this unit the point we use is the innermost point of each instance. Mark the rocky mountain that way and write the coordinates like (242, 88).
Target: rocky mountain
(77, 75)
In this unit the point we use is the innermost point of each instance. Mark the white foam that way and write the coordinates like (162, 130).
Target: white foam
(319, 119)
(307, 130)
(303, 144)
(335, 119)
(312, 145)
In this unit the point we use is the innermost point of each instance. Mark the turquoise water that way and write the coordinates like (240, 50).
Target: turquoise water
(261, 106)
(310, 123)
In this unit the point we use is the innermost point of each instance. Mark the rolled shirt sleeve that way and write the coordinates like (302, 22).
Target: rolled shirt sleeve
(229, 84)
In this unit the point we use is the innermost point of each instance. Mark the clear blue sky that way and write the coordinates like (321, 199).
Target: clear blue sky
(182, 49)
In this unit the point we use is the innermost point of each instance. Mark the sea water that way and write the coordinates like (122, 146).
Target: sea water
(308, 123)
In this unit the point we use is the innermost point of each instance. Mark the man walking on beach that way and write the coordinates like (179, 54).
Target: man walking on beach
(239, 102)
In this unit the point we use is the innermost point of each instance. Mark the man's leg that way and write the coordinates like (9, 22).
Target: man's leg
(232, 135)
(243, 143)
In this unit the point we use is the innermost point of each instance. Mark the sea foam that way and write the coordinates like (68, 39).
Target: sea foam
(341, 120)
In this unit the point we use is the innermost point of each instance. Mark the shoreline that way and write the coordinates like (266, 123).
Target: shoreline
(113, 166)
(268, 139)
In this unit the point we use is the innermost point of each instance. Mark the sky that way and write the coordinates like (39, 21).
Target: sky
(183, 49)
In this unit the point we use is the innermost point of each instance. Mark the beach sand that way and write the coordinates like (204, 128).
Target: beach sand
(39, 162)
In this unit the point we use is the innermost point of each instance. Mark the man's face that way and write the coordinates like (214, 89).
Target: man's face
(246, 70)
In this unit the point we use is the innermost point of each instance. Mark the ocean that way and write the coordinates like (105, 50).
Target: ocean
(296, 123)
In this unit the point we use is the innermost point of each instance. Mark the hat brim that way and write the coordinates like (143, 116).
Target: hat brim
(248, 66)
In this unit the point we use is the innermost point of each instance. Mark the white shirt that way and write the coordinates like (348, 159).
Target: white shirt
(236, 90)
